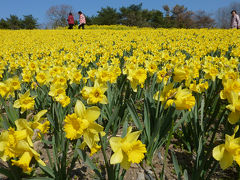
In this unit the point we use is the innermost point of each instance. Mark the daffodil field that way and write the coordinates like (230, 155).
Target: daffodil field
(70, 97)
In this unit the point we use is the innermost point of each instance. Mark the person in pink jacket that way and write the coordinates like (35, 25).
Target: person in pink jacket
(235, 21)
(70, 21)
(82, 20)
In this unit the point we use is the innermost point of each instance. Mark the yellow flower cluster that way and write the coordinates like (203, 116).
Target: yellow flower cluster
(18, 143)
(68, 64)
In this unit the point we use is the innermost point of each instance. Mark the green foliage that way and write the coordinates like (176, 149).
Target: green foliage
(29, 22)
(14, 22)
(133, 15)
(107, 16)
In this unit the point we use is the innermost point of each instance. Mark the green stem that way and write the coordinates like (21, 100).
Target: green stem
(167, 147)
(49, 157)
(123, 174)
(109, 172)
(153, 169)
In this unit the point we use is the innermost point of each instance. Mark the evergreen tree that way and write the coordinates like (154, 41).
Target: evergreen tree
(14, 22)
(107, 16)
(29, 22)
(3, 24)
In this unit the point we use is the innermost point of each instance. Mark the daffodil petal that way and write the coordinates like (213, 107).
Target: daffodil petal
(17, 104)
(125, 164)
(92, 113)
(39, 115)
(115, 143)
(80, 109)
(226, 161)
(218, 152)
(234, 117)
(131, 137)
(117, 157)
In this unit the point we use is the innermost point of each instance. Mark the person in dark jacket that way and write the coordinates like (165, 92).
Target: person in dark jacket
(70, 21)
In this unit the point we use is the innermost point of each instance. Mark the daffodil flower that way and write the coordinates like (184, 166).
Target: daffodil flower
(184, 99)
(25, 102)
(82, 123)
(228, 152)
(95, 94)
(14, 144)
(127, 150)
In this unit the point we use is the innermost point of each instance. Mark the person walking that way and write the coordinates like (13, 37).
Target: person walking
(235, 21)
(82, 20)
(70, 21)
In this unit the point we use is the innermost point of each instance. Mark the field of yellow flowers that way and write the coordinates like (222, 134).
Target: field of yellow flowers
(121, 94)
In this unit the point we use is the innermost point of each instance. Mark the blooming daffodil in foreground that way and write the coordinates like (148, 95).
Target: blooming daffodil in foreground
(127, 150)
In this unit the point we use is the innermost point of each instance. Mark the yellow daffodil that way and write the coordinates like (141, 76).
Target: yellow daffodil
(228, 152)
(25, 159)
(211, 72)
(180, 74)
(184, 99)
(63, 99)
(24, 162)
(4, 89)
(127, 150)
(76, 77)
(234, 116)
(56, 90)
(95, 94)
(151, 67)
(230, 86)
(25, 102)
(137, 77)
(27, 75)
(82, 123)
(166, 95)
(14, 83)
(30, 126)
(42, 78)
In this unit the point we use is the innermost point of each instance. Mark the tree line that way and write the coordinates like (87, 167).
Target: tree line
(14, 22)
(134, 15)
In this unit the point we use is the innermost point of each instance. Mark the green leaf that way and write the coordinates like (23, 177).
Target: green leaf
(5, 122)
(112, 118)
(182, 120)
(134, 114)
(55, 152)
(12, 113)
(7, 173)
(202, 110)
(176, 166)
(185, 174)
(47, 170)
(147, 119)
(125, 126)
(199, 151)
(89, 162)
(38, 178)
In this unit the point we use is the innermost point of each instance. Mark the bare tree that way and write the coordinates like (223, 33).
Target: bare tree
(223, 16)
(58, 14)
(183, 17)
(167, 10)
(203, 20)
